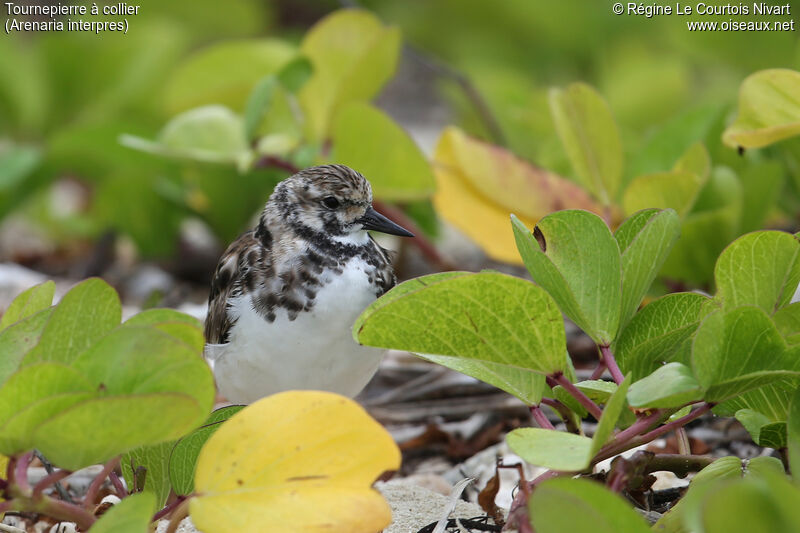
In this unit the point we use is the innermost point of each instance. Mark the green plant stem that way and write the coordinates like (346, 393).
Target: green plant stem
(619, 445)
(611, 364)
(91, 494)
(576, 393)
(540, 417)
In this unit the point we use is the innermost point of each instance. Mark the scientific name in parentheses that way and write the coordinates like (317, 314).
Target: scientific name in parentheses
(702, 8)
(60, 10)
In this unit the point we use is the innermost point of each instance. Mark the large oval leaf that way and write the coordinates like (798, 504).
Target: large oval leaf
(560, 505)
(28, 303)
(657, 333)
(86, 313)
(487, 317)
(577, 260)
(761, 269)
(395, 166)
(353, 54)
(739, 350)
(294, 461)
(225, 73)
(645, 240)
(590, 137)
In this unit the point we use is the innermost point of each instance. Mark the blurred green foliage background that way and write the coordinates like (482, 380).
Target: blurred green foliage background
(68, 99)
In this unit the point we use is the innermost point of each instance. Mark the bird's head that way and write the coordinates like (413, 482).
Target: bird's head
(333, 200)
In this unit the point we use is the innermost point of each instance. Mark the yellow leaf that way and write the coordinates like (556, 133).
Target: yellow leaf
(294, 461)
(769, 109)
(479, 185)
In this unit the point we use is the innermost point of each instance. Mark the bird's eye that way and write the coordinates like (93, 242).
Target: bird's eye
(330, 202)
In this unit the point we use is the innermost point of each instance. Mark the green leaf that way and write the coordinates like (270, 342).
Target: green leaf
(560, 505)
(675, 189)
(212, 134)
(787, 320)
(117, 424)
(387, 156)
(645, 240)
(34, 394)
(590, 137)
(695, 160)
(257, 105)
(154, 459)
(353, 55)
(738, 350)
(295, 74)
(525, 385)
(86, 313)
(763, 431)
(183, 459)
(225, 73)
(793, 435)
(761, 269)
(131, 515)
(18, 339)
(707, 230)
(52, 406)
(752, 506)
(16, 163)
(611, 414)
(761, 185)
(671, 385)
(556, 450)
(487, 317)
(769, 110)
(577, 260)
(28, 303)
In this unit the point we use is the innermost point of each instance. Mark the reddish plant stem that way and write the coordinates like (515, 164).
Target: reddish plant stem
(541, 418)
(598, 372)
(639, 427)
(564, 412)
(168, 508)
(48, 480)
(21, 472)
(91, 494)
(611, 363)
(619, 445)
(118, 486)
(177, 517)
(67, 512)
(680, 422)
(576, 393)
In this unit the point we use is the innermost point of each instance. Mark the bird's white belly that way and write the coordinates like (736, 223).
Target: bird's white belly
(315, 351)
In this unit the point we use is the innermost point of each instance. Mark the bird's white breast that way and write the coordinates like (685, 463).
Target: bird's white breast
(314, 351)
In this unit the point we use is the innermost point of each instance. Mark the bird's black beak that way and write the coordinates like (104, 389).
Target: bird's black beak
(377, 222)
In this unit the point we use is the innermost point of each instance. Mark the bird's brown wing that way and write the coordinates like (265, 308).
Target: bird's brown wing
(236, 268)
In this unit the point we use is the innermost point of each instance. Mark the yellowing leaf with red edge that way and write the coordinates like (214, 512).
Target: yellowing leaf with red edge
(294, 461)
(479, 185)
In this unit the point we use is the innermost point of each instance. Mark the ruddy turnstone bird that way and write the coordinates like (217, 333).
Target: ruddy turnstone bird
(285, 295)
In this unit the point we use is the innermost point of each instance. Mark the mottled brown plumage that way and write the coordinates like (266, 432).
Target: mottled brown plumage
(311, 231)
